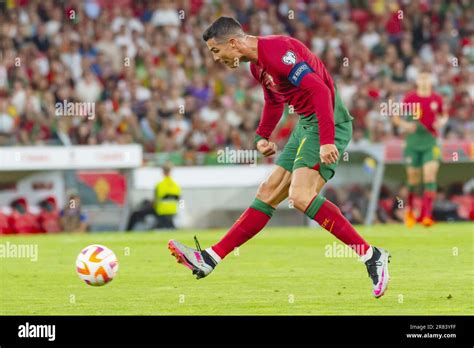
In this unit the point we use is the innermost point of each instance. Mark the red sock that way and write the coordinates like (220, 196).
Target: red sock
(247, 225)
(331, 219)
(411, 200)
(427, 204)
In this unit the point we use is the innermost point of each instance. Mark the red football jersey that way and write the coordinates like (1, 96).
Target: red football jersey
(290, 73)
(430, 107)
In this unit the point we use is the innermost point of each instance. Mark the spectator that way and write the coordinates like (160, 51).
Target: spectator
(48, 218)
(72, 218)
(167, 195)
(145, 66)
(21, 220)
(88, 89)
(5, 227)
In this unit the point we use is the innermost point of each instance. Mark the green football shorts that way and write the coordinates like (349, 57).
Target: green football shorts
(302, 149)
(418, 157)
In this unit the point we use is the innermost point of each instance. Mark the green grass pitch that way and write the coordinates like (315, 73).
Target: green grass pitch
(282, 271)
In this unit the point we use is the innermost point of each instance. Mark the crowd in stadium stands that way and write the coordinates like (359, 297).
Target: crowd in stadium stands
(153, 81)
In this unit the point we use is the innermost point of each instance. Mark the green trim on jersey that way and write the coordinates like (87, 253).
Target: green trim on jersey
(257, 139)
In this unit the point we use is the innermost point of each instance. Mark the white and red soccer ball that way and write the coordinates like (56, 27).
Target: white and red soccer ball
(97, 265)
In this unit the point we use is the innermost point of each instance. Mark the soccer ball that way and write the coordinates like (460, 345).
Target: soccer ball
(97, 265)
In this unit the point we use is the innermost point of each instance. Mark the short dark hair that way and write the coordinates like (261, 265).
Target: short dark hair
(222, 27)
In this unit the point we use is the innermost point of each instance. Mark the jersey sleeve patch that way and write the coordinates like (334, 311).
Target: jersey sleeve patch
(298, 72)
(289, 58)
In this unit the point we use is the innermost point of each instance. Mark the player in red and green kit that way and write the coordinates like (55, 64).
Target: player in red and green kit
(289, 73)
(422, 152)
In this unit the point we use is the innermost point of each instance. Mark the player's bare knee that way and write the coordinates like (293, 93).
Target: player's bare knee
(414, 177)
(429, 177)
(430, 172)
(264, 191)
(298, 197)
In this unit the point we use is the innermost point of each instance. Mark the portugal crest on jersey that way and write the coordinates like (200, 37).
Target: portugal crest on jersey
(289, 58)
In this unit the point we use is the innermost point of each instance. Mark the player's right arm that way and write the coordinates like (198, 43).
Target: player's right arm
(403, 124)
(271, 114)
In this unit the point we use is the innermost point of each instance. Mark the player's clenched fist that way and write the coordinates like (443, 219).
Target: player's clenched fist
(328, 153)
(266, 148)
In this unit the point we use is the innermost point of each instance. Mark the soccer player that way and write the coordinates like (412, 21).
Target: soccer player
(289, 73)
(422, 152)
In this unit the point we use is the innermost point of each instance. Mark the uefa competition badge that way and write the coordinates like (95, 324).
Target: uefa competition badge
(289, 58)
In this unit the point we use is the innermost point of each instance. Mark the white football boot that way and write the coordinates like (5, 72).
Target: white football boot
(377, 267)
(197, 260)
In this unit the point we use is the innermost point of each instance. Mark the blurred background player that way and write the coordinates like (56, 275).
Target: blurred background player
(49, 217)
(422, 152)
(167, 194)
(21, 220)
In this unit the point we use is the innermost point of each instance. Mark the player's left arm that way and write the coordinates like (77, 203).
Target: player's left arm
(286, 63)
(321, 99)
